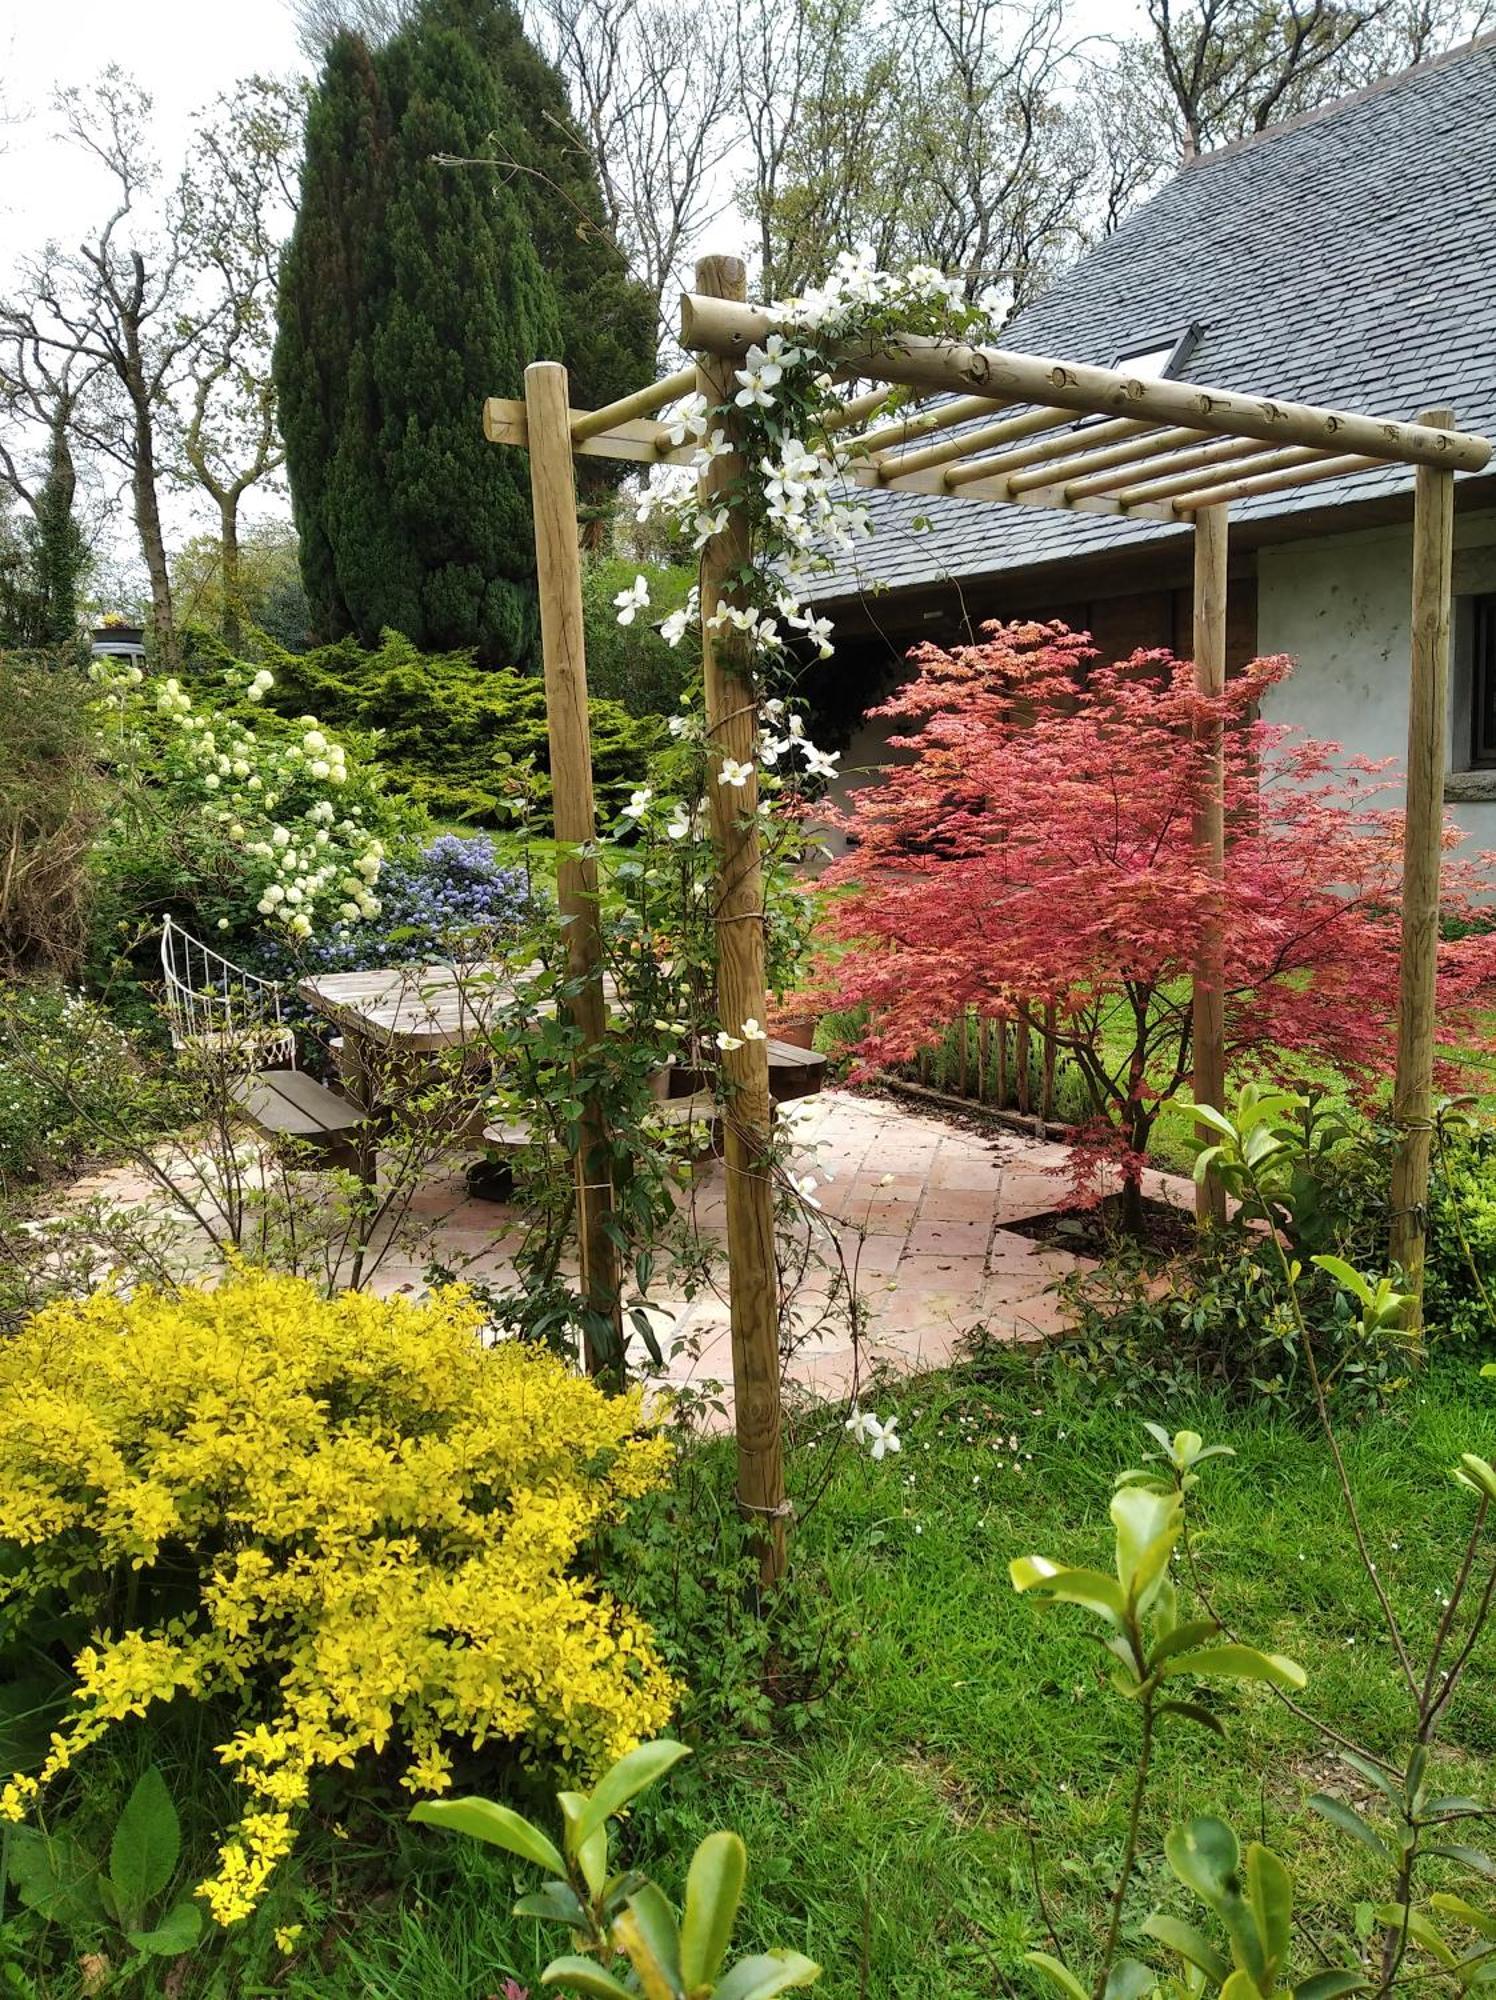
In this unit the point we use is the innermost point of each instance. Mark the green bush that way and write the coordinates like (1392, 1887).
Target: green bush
(449, 733)
(68, 1075)
(1462, 1233)
(631, 664)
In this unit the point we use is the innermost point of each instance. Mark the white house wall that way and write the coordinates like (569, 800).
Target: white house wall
(1340, 607)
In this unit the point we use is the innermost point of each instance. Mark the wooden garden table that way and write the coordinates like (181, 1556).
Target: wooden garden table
(415, 1009)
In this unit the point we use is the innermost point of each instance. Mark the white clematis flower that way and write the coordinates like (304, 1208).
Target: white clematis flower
(632, 600)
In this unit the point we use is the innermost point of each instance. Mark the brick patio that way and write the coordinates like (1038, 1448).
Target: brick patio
(920, 1210)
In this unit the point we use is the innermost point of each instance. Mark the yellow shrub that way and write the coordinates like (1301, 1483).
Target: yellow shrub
(378, 1518)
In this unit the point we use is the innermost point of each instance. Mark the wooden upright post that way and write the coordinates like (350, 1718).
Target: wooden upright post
(732, 732)
(1210, 833)
(1423, 830)
(559, 567)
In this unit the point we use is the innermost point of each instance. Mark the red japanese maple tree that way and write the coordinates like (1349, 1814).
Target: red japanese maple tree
(1037, 847)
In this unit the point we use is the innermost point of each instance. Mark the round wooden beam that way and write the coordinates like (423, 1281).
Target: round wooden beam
(732, 733)
(1074, 463)
(564, 660)
(728, 329)
(1183, 469)
(1423, 844)
(1305, 470)
(640, 404)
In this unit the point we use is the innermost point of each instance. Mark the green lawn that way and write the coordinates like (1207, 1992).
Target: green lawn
(970, 1737)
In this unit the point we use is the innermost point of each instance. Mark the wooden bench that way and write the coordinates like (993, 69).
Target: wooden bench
(285, 1104)
(794, 1072)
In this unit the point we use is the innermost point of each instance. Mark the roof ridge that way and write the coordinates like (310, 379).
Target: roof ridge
(1319, 112)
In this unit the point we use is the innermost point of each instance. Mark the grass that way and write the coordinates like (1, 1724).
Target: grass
(972, 1742)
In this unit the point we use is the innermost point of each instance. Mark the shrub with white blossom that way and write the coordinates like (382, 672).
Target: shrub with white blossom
(254, 828)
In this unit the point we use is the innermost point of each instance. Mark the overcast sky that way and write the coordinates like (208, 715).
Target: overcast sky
(185, 52)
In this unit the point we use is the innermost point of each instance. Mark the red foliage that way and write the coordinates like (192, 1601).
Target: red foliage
(1038, 846)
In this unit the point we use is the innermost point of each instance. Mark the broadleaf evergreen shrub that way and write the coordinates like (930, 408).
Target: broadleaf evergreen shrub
(348, 1527)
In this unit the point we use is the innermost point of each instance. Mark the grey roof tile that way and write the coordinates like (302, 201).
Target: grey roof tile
(1345, 258)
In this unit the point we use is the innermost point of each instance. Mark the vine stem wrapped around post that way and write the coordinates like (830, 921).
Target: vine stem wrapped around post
(732, 738)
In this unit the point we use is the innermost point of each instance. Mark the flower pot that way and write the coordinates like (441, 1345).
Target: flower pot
(799, 1031)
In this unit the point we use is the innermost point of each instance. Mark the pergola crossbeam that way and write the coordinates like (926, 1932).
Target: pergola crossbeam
(721, 327)
(642, 403)
(1275, 481)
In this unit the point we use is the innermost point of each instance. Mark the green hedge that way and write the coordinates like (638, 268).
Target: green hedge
(449, 732)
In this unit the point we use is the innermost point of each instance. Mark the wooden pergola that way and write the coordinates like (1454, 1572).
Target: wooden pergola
(983, 424)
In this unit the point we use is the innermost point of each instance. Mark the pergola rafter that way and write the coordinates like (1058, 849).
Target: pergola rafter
(1025, 430)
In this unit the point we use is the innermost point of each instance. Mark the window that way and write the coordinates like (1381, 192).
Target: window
(1165, 357)
(1481, 656)
(1157, 359)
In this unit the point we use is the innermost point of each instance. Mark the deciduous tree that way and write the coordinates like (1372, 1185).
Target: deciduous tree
(1037, 847)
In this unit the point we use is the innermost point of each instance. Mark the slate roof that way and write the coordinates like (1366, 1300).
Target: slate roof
(1347, 257)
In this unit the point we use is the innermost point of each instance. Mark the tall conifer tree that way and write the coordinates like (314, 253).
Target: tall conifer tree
(414, 289)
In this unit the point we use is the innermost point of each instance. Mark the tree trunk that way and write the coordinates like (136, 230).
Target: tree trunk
(231, 625)
(152, 541)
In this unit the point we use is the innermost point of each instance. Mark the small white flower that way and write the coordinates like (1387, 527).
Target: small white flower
(632, 600)
(726, 1042)
(733, 773)
(752, 1032)
(678, 826)
(638, 804)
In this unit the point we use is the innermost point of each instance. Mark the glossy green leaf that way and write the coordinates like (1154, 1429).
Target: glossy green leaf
(771, 1972)
(178, 1931)
(585, 1975)
(1130, 1979)
(1190, 1944)
(1350, 1821)
(1477, 1475)
(714, 1889)
(656, 1930)
(1236, 1663)
(1240, 1985)
(554, 1902)
(627, 1778)
(1192, 1711)
(483, 1819)
(1148, 1524)
(147, 1841)
(1374, 1775)
(1465, 1912)
(1419, 1929)
(1468, 1857)
(1346, 1276)
(1194, 1632)
(1270, 1894)
(1057, 1974)
(1331, 1984)
(1086, 1587)
(1206, 1856)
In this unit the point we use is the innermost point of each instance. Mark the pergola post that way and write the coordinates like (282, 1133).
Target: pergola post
(559, 571)
(732, 734)
(1423, 832)
(1211, 539)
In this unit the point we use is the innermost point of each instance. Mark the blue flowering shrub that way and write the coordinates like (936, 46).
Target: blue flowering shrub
(454, 899)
